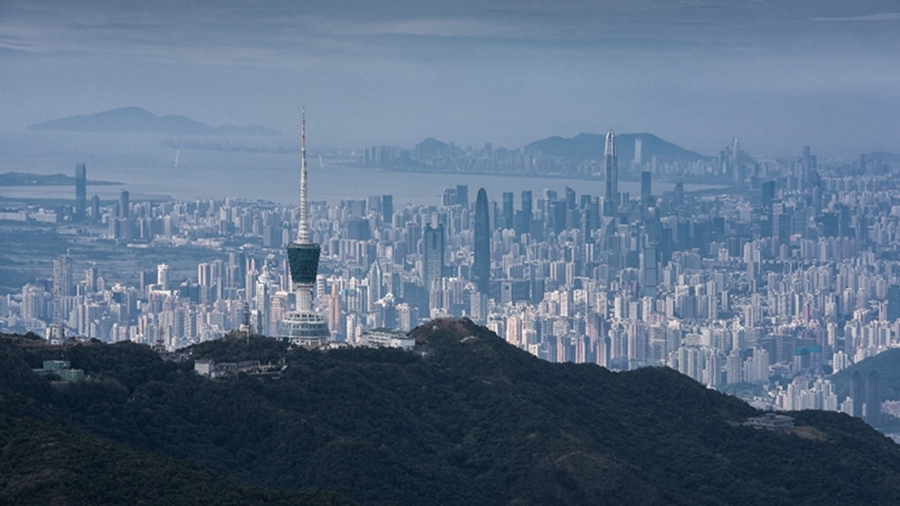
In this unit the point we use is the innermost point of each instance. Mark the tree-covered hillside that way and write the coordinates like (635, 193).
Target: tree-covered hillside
(466, 419)
(43, 464)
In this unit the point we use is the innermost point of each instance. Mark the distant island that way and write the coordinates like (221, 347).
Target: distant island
(138, 120)
(26, 179)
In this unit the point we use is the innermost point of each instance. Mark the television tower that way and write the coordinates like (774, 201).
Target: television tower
(304, 327)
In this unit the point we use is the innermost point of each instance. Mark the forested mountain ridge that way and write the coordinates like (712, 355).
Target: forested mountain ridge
(465, 419)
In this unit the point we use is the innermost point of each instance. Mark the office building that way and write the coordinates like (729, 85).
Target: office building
(508, 212)
(611, 196)
(433, 249)
(80, 192)
(646, 192)
(482, 265)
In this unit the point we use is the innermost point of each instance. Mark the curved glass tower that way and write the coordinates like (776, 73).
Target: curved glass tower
(304, 326)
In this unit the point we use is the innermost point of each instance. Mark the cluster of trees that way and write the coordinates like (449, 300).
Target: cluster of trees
(46, 464)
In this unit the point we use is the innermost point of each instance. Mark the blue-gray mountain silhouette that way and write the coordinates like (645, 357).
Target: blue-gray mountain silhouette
(590, 147)
(138, 120)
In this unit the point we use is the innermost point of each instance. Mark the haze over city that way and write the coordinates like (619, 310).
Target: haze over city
(775, 74)
(443, 252)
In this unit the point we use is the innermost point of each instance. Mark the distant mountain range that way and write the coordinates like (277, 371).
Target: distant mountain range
(138, 120)
(590, 147)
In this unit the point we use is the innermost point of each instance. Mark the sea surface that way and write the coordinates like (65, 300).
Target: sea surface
(145, 165)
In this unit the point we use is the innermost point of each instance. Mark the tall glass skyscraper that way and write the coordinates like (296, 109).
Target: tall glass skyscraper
(523, 217)
(482, 266)
(611, 197)
(646, 191)
(80, 192)
(508, 212)
(433, 255)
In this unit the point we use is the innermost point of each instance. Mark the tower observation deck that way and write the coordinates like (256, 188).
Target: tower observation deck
(304, 326)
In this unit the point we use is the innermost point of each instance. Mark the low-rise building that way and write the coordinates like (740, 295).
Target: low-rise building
(61, 369)
(387, 338)
(771, 421)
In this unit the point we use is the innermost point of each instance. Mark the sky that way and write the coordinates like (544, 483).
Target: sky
(778, 74)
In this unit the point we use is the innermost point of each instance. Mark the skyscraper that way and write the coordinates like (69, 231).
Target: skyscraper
(90, 277)
(375, 285)
(124, 206)
(462, 195)
(62, 276)
(121, 226)
(433, 252)
(387, 209)
(62, 289)
(527, 206)
(162, 276)
(508, 213)
(95, 208)
(263, 304)
(482, 266)
(649, 271)
(679, 193)
(334, 313)
(735, 160)
(646, 192)
(433, 255)
(80, 192)
(523, 218)
(611, 197)
(304, 327)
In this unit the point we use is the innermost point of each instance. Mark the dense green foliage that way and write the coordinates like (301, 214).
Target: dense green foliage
(42, 464)
(468, 420)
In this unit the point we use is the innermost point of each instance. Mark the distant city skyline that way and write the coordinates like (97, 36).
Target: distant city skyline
(775, 75)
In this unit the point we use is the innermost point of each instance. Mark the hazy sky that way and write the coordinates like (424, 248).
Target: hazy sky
(776, 73)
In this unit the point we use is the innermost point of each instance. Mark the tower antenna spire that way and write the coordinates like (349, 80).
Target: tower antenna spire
(303, 229)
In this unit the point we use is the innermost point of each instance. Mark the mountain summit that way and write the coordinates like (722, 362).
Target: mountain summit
(138, 120)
